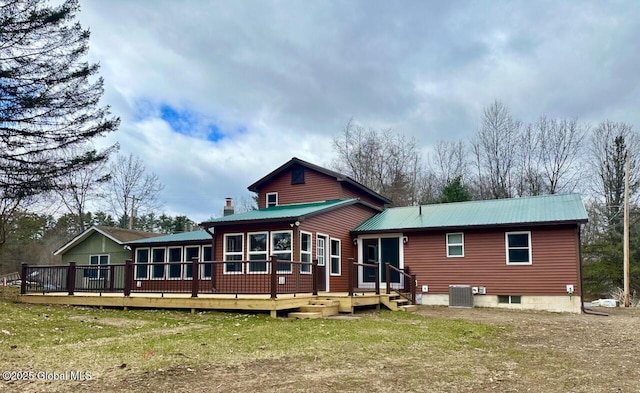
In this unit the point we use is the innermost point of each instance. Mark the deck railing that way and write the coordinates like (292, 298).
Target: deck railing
(272, 277)
(406, 285)
(353, 277)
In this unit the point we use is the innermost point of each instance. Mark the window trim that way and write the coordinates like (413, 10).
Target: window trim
(249, 253)
(309, 252)
(101, 274)
(529, 248)
(510, 299)
(154, 264)
(226, 253)
(273, 252)
(332, 256)
(139, 264)
(449, 244)
(324, 249)
(179, 263)
(204, 265)
(184, 258)
(266, 201)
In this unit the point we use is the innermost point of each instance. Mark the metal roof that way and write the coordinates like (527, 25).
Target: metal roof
(497, 212)
(193, 236)
(281, 212)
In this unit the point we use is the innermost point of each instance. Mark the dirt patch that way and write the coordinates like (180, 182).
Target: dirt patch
(116, 322)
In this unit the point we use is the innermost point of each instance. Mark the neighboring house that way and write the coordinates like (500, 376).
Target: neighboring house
(100, 245)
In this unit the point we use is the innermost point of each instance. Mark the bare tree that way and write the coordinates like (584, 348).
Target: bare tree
(131, 186)
(80, 187)
(495, 149)
(529, 179)
(385, 161)
(560, 145)
(449, 160)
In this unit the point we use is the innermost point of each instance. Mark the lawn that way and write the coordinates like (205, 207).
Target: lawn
(435, 350)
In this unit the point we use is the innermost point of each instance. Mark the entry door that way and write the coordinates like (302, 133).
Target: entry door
(380, 251)
(321, 254)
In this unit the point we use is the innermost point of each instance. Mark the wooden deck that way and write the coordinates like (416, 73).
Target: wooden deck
(205, 301)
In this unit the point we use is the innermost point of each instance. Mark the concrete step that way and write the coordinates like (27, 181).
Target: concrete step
(326, 311)
(408, 308)
(305, 315)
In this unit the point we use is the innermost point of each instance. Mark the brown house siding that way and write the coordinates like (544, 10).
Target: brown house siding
(554, 262)
(348, 192)
(317, 187)
(337, 224)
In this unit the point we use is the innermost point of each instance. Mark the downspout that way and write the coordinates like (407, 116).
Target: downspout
(584, 310)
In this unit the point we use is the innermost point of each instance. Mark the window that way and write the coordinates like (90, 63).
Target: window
(189, 254)
(509, 299)
(175, 262)
(518, 248)
(335, 257)
(455, 245)
(157, 258)
(297, 175)
(305, 251)
(142, 261)
(281, 247)
(100, 271)
(233, 246)
(320, 250)
(272, 199)
(207, 257)
(257, 251)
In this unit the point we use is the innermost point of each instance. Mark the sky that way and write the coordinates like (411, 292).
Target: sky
(213, 95)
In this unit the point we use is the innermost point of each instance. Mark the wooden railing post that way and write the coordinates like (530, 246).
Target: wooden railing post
(195, 277)
(128, 276)
(274, 277)
(388, 277)
(413, 289)
(350, 279)
(112, 276)
(23, 277)
(71, 277)
(314, 274)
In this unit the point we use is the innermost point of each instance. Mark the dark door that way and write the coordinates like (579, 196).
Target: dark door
(390, 253)
(370, 250)
(321, 254)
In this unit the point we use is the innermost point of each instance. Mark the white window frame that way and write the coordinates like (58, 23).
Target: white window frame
(140, 264)
(265, 252)
(184, 257)
(321, 257)
(179, 263)
(332, 256)
(203, 266)
(230, 253)
(101, 273)
(266, 202)
(290, 251)
(303, 268)
(449, 244)
(529, 248)
(153, 263)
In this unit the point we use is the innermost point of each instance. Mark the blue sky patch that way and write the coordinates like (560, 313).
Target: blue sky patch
(190, 123)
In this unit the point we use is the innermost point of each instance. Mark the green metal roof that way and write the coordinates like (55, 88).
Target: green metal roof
(281, 212)
(192, 236)
(496, 212)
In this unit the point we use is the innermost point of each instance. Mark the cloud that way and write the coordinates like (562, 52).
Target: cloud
(213, 95)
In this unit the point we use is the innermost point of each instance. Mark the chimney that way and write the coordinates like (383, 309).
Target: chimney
(228, 207)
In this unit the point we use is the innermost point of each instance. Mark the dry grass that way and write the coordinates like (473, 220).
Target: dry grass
(435, 350)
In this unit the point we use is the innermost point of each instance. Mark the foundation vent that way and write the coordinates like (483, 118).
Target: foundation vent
(460, 296)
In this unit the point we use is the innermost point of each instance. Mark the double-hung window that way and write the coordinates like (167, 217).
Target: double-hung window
(455, 245)
(157, 260)
(518, 246)
(142, 263)
(305, 252)
(257, 251)
(281, 247)
(335, 257)
(272, 199)
(98, 269)
(233, 246)
(207, 257)
(175, 262)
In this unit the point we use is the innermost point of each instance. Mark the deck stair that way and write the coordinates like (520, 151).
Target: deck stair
(317, 308)
(395, 302)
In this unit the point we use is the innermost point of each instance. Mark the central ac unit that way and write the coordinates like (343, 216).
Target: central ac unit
(460, 296)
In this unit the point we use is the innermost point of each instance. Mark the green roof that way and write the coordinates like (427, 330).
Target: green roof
(281, 212)
(496, 212)
(192, 236)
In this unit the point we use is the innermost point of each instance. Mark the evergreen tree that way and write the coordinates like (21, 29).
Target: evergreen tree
(454, 191)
